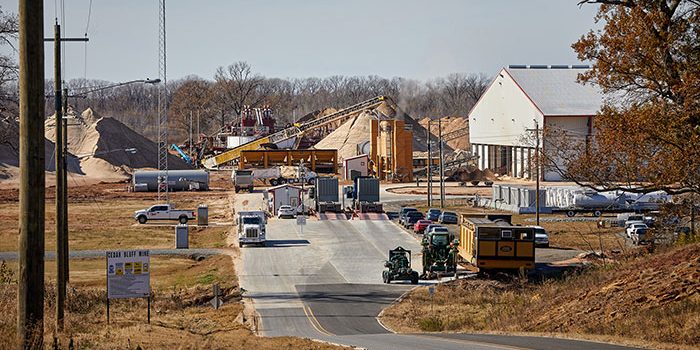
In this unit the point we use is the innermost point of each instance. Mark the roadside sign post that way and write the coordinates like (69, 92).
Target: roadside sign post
(301, 221)
(129, 276)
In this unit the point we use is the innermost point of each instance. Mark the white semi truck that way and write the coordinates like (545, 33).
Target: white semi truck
(251, 227)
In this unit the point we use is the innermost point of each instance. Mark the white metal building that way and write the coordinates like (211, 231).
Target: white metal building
(355, 166)
(502, 122)
(284, 195)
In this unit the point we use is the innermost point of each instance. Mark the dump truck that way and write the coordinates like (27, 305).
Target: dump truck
(326, 195)
(242, 179)
(251, 227)
(399, 267)
(366, 195)
(492, 242)
(439, 254)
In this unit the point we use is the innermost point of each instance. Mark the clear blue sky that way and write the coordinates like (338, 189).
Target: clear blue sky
(302, 38)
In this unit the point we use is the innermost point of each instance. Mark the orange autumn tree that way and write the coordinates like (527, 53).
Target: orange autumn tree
(646, 60)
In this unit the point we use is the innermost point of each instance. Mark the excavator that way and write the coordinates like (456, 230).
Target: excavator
(290, 133)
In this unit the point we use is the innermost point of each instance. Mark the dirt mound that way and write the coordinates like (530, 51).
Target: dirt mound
(451, 124)
(467, 174)
(100, 142)
(346, 138)
(9, 151)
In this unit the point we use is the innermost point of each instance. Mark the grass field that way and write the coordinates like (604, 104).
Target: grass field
(650, 300)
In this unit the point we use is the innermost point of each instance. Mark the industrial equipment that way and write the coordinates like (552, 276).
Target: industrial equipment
(439, 253)
(326, 195)
(366, 195)
(290, 133)
(177, 180)
(493, 243)
(399, 267)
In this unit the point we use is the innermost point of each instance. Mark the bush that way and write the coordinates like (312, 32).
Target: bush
(431, 324)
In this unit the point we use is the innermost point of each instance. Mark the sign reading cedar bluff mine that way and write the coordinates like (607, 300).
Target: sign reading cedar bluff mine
(128, 274)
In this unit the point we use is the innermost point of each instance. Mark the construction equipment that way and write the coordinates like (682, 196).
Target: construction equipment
(366, 195)
(182, 153)
(491, 242)
(439, 254)
(326, 196)
(290, 133)
(399, 267)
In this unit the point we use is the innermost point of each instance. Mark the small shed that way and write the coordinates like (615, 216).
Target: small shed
(284, 195)
(356, 166)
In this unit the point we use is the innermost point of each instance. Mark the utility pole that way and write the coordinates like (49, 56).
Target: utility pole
(429, 170)
(61, 151)
(190, 133)
(537, 171)
(58, 131)
(30, 291)
(442, 168)
(64, 193)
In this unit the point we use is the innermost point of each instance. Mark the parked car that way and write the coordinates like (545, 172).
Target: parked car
(634, 226)
(403, 212)
(420, 226)
(541, 237)
(448, 217)
(433, 214)
(438, 229)
(431, 226)
(286, 211)
(411, 218)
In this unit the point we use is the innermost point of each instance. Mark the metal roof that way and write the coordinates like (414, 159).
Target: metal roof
(555, 91)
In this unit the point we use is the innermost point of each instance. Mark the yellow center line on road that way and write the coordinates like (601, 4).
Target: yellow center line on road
(314, 321)
(472, 342)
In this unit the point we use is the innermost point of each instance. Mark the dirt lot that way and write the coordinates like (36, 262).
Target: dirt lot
(450, 190)
(100, 217)
(181, 317)
(649, 300)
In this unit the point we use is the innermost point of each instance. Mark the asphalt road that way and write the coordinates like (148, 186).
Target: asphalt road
(325, 283)
(82, 254)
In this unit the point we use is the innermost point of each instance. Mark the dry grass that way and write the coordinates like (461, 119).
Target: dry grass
(181, 315)
(108, 224)
(651, 299)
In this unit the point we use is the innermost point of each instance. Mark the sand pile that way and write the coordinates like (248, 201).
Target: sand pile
(105, 139)
(9, 151)
(346, 138)
(470, 173)
(451, 124)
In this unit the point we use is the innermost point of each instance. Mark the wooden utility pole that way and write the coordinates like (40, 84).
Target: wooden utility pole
(61, 141)
(60, 173)
(30, 292)
(537, 172)
(442, 168)
(429, 170)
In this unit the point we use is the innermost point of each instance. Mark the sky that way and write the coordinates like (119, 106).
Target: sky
(314, 38)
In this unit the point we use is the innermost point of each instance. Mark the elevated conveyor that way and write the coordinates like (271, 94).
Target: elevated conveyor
(291, 132)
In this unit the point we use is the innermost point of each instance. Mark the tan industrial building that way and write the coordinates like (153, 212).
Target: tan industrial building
(391, 150)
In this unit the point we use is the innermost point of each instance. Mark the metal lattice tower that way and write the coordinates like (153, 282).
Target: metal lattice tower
(162, 109)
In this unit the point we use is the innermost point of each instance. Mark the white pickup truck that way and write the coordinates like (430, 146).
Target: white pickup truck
(164, 212)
